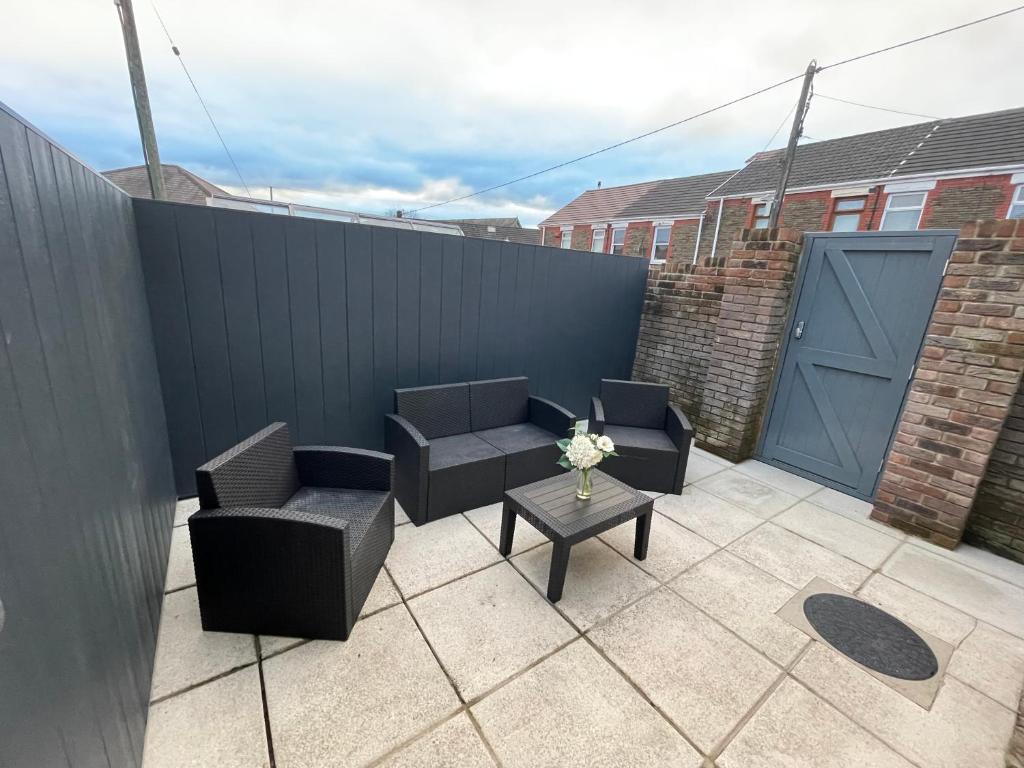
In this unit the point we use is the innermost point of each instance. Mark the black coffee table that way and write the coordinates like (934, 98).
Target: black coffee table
(551, 506)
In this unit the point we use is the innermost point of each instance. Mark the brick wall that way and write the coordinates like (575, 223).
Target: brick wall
(552, 236)
(639, 235)
(737, 212)
(963, 388)
(582, 235)
(806, 211)
(682, 241)
(956, 201)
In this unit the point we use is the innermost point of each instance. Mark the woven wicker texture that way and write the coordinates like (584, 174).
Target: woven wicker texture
(554, 418)
(412, 457)
(634, 404)
(331, 467)
(354, 507)
(498, 402)
(258, 472)
(596, 422)
(436, 411)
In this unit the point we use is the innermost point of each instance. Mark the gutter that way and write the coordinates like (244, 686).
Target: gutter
(700, 230)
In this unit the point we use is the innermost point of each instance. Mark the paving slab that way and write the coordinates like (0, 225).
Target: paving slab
(180, 570)
(792, 484)
(699, 467)
(908, 604)
(978, 559)
(487, 626)
(992, 662)
(429, 555)
(962, 728)
(401, 518)
(700, 675)
(985, 597)
(488, 520)
(796, 560)
(707, 515)
(184, 508)
(186, 655)
(334, 703)
(796, 729)
(842, 503)
(218, 724)
(837, 533)
(695, 451)
(763, 500)
(599, 581)
(453, 744)
(744, 599)
(671, 550)
(574, 709)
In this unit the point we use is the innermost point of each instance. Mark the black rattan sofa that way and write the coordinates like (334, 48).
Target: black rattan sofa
(459, 446)
(651, 436)
(289, 541)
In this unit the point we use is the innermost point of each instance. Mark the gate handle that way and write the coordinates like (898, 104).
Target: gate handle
(799, 329)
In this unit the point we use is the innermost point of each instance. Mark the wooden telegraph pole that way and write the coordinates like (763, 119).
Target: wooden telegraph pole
(794, 135)
(141, 96)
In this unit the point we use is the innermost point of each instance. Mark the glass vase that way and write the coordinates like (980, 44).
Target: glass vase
(583, 483)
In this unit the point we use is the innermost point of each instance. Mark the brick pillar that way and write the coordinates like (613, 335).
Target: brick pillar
(758, 282)
(963, 387)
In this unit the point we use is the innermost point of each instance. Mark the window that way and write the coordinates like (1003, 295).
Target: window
(1017, 204)
(566, 239)
(761, 213)
(659, 249)
(618, 240)
(903, 210)
(846, 213)
(597, 244)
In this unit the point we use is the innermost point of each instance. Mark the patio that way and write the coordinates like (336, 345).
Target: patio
(458, 660)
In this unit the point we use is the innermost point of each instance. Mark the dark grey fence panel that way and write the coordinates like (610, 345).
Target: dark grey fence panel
(316, 323)
(85, 470)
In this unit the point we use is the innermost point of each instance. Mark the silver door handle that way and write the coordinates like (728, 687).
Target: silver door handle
(799, 329)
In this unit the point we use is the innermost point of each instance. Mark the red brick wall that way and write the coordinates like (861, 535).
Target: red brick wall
(582, 236)
(806, 211)
(956, 201)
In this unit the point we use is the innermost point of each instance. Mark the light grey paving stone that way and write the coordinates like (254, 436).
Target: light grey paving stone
(453, 744)
(273, 644)
(837, 533)
(333, 703)
(671, 549)
(707, 515)
(699, 467)
(927, 613)
(184, 508)
(792, 484)
(401, 518)
(748, 493)
(963, 727)
(843, 504)
(599, 580)
(744, 599)
(978, 559)
(186, 655)
(796, 560)
(180, 570)
(574, 709)
(985, 597)
(652, 494)
(695, 451)
(796, 729)
(430, 555)
(699, 674)
(217, 724)
(488, 626)
(488, 520)
(992, 662)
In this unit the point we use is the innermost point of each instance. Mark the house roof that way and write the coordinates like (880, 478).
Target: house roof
(976, 141)
(505, 229)
(182, 186)
(677, 198)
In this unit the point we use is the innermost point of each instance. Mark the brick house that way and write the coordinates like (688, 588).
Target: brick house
(939, 174)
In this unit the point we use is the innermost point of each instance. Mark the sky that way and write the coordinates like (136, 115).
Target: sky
(374, 107)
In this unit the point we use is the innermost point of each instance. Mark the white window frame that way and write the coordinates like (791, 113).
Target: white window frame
(565, 240)
(611, 240)
(760, 222)
(654, 241)
(900, 208)
(594, 238)
(1016, 200)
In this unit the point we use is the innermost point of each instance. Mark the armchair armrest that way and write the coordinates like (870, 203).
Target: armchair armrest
(269, 515)
(551, 416)
(412, 464)
(322, 466)
(596, 424)
(679, 431)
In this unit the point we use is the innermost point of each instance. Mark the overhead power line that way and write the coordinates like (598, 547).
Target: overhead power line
(880, 109)
(177, 53)
(711, 110)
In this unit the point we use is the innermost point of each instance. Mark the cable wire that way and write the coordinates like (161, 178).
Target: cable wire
(192, 82)
(880, 109)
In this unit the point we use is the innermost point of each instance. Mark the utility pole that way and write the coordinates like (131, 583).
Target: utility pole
(794, 135)
(138, 80)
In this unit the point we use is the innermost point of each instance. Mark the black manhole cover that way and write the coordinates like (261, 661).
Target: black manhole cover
(871, 637)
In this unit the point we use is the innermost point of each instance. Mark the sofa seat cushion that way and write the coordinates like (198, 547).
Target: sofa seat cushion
(517, 437)
(358, 507)
(456, 450)
(635, 437)
(530, 452)
(465, 473)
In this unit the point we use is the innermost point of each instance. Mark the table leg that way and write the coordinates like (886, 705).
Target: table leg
(559, 565)
(643, 536)
(508, 530)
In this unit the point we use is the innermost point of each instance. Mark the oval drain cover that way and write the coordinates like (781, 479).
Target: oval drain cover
(871, 637)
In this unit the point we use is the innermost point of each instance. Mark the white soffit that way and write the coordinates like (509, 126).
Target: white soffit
(910, 186)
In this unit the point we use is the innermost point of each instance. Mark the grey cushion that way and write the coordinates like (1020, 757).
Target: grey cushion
(437, 411)
(499, 402)
(355, 506)
(634, 404)
(518, 437)
(635, 437)
(457, 450)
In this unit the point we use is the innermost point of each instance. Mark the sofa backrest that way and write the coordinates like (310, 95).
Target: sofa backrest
(634, 403)
(499, 402)
(436, 411)
(258, 472)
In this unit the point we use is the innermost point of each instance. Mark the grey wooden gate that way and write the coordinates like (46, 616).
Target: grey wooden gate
(862, 305)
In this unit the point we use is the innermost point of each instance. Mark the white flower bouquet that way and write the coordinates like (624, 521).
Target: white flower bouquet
(582, 452)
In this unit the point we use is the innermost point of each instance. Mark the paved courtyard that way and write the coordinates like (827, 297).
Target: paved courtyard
(458, 660)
